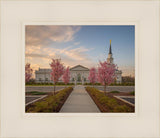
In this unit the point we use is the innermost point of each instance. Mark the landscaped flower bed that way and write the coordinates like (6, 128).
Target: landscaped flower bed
(107, 103)
(51, 103)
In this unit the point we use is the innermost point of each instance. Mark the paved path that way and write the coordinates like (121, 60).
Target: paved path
(79, 101)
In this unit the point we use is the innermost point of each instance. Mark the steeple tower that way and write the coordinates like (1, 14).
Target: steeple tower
(110, 58)
(110, 49)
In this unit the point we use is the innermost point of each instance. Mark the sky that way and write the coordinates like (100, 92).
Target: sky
(80, 45)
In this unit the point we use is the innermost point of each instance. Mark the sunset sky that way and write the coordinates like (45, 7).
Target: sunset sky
(84, 45)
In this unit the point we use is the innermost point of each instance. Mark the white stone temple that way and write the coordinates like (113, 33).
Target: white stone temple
(78, 73)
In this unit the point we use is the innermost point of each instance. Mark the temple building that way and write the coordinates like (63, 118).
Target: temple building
(78, 74)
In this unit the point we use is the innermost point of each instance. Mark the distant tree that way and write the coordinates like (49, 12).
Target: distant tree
(92, 76)
(28, 72)
(128, 79)
(106, 73)
(66, 76)
(57, 71)
(31, 81)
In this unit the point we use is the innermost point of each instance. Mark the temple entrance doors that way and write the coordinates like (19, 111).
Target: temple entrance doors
(79, 79)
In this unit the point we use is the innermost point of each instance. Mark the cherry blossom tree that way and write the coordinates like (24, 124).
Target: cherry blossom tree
(28, 72)
(57, 71)
(106, 73)
(66, 76)
(92, 75)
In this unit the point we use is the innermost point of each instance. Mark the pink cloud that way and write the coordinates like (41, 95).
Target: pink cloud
(46, 34)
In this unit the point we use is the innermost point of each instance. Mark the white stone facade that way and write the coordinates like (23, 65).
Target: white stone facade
(118, 76)
(43, 76)
(78, 74)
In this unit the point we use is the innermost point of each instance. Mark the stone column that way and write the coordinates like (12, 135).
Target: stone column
(82, 80)
(75, 80)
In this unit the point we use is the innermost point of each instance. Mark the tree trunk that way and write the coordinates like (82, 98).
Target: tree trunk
(54, 88)
(105, 89)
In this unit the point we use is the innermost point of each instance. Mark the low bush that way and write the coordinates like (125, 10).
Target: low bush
(47, 84)
(122, 108)
(132, 93)
(60, 83)
(92, 84)
(123, 84)
(109, 103)
(51, 102)
(114, 92)
(36, 93)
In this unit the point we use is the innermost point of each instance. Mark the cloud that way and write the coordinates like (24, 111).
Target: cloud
(70, 56)
(43, 35)
(76, 43)
(37, 56)
(75, 53)
(69, 52)
(39, 51)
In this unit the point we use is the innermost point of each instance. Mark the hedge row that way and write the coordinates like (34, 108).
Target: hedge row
(106, 103)
(113, 84)
(42, 83)
(51, 103)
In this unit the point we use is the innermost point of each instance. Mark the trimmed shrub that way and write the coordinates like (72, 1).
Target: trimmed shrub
(36, 93)
(114, 92)
(51, 102)
(122, 108)
(110, 103)
(132, 93)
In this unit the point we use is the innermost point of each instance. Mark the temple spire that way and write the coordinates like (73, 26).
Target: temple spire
(110, 58)
(110, 49)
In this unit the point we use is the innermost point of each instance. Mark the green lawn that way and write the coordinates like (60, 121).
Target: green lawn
(132, 93)
(114, 92)
(45, 85)
(35, 93)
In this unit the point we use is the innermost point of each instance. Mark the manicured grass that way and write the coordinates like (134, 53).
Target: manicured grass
(113, 84)
(107, 103)
(45, 85)
(35, 93)
(49, 84)
(132, 93)
(114, 92)
(51, 103)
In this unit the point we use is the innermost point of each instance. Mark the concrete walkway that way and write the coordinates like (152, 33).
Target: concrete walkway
(79, 102)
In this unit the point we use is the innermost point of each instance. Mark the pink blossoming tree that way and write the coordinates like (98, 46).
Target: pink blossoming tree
(66, 76)
(106, 73)
(57, 71)
(92, 76)
(28, 72)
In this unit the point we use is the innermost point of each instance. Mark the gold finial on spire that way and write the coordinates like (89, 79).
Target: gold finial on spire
(110, 42)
